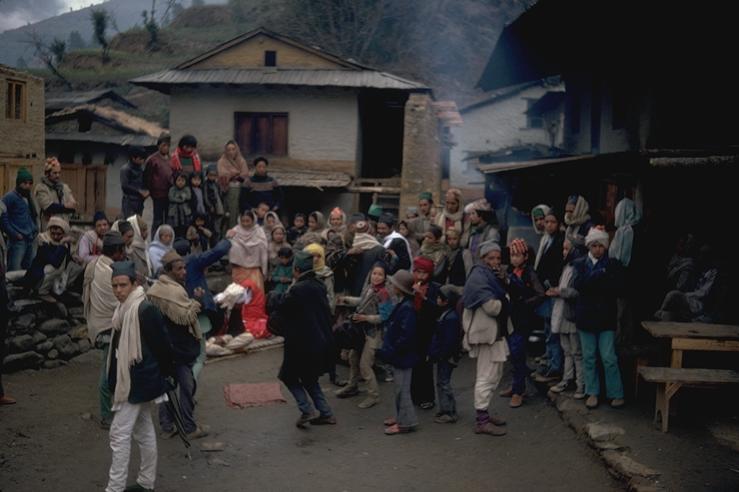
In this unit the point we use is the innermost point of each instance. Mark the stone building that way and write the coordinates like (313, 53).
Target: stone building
(325, 123)
(21, 125)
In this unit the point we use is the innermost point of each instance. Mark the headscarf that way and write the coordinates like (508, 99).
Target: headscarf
(320, 222)
(482, 285)
(455, 218)
(365, 241)
(580, 215)
(229, 169)
(423, 264)
(596, 236)
(249, 246)
(627, 216)
(179, 153)
(268, 229)
(157, 249)
(540, 210)
(138, 246)
(58, 222)
(273, 246)
(316, 249)
(434, 251)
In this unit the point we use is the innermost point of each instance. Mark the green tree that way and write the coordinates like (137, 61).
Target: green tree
(58, 49)
(100, 22)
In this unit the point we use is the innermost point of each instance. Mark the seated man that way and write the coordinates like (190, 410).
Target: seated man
(691, 306)
(90, 245)
(52, 270)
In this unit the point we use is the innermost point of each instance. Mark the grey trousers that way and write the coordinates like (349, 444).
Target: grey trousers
(405, 412)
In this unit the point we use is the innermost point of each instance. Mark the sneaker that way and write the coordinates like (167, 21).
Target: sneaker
(516, 401)
(559, 387)
(445, 419)
(579, 394)
(200, 431)
(592, 401)
(347, 392)
(617, 403)
(303, 420)
(368, 402)
(323, 420)
(490, 429)
(427, 405)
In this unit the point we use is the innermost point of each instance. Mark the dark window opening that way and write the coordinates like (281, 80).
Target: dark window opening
(619, 109)
(15, 100)
(574, 116)
(84, 124)
(533, 121)
(262, 133)
(270, 58)
(87, 158)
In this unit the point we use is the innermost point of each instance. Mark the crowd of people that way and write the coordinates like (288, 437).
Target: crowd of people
(402, 298)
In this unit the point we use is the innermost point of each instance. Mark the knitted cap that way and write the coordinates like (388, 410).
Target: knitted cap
(597, 236)
(126, 268)
(423, 264)
(112, 239)
(426, 195)
(23, 176)
(171, 257)
(518, 246)
(375, 211)
(487, 247)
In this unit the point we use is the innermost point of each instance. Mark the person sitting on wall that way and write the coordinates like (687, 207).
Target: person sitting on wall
(52, 195)
(90, 245)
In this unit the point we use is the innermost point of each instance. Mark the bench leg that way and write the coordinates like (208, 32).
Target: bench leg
(662, 408)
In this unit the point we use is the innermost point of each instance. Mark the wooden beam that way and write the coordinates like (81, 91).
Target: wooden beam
(391, 190)
(679, 344)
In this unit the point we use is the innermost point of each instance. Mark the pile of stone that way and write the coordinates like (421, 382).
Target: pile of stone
(44, 334)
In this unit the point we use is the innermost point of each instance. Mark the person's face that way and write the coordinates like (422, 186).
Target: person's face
(493, 259)
(122, 287)
(377, 277)
(403, 230)
(262, 210)
(56, 233)
(199, 222)
(196, 181)
(138, 160)
(101, 227)
(429, 238)
(316, 257)
(26, 186)
(569, 208)
(278, 235)
(119, 254)
(452, 241)
(312, 223)
(55, 175)
(566, 248)
(597, 250)
(424, 206)
(179, 273)
(270, 220)
(231, 151)
(421, 276)
(335, 220)
(212, 176)
(383, 229)
(299, 222)
(260, 169)
(452, 205)
(165, 237)
(474, 218)
(284, 261)
(551, 224)
(128, 237)
(517, 259)
(247, 221)
(188, 148)
(539, 223)
(164, 148)
(180, 182)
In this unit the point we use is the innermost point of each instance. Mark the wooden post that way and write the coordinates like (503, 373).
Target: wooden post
(662, 408)
(677, 359)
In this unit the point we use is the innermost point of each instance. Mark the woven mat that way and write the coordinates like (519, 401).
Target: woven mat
(245, 395)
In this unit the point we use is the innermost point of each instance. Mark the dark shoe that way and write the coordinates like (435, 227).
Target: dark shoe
(592, 401)
(347, 392)
(323, 420)
(490, 429)
(6, 400)
(105, 423)
(445, 419)
(303, 421)
(506, 393)
(396, 429)
(546, 378)
(516, 401)
(427, 405)
(497, 421)
(137, 488)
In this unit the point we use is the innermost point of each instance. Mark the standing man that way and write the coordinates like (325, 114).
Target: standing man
(302, 315)
(52, 195)
(396, 245)
(135, 192)
(99, 305)
(158, 180)
(20, 221)
(261, 188)
(138, 362)
(181, 318)
(420, 224)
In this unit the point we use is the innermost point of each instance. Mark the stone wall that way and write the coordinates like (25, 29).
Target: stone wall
(44, 335)
(421, 152)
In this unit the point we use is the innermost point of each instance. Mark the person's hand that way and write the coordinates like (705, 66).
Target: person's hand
(144, 194)
(67, 240)
(553, 292)
(230, 233)
(198, 293)
(392, 253)
(19, 237)
(359, 318)
(339, 299)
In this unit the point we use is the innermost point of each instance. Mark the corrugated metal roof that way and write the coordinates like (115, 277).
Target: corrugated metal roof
(89, 137)
(321, 78)
(65, 99)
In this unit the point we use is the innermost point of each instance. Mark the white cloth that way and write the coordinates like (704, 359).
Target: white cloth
(132, 420)
(396, 235)
(97, 294)
(488, 375)
(596, 236)
(128, 352)
(627, 216)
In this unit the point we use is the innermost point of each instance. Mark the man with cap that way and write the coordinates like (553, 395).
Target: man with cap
(373, 215)
(20, 221)
(303, 317)
(425, 218)
(598, 280)
(134, 190)
(395, 244)
(484, 322)
(181, 319)
(90, 245)
(158, 179)
(196, 285)
(52, 195)
(138, 365)
(482, 228)
(99, 304)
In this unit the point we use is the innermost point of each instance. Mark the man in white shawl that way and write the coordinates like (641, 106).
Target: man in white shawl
(139, 361)
(99, 304)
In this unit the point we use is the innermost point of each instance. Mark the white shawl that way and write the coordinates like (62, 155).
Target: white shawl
(128, 352)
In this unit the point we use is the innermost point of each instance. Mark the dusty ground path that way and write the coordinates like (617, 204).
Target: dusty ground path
(47, 445)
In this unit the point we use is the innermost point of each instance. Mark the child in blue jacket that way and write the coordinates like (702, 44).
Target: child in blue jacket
(445, 351)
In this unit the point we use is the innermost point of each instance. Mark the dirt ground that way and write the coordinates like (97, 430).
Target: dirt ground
(47, 444)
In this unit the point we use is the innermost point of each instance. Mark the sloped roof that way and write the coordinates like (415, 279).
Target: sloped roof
(496, 96)
(92, 137)
(66, 99)
(111, 117)
(546, 103)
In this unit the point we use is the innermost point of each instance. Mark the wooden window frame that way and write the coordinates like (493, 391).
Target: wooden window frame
(270, 56)
(12, 104)
(270, 150)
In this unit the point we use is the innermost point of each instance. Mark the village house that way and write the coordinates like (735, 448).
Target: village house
(519, 120)
(103, 97)
(326, 124)
(21, 125)
(93, 142)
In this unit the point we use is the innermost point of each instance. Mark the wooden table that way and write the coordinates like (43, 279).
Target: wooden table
(694, 336)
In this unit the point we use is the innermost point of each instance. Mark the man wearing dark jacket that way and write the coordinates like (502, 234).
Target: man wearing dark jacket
(158, 179)
(20, 222)
(366, 250)
(302, 315)
(181, 319)
(132, 184)
(139, 360)
(396, 245)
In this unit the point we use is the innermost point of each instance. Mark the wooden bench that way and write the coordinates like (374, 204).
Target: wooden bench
(669, 380)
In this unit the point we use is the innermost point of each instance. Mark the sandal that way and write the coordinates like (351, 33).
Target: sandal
(389, 422)
(396, 429)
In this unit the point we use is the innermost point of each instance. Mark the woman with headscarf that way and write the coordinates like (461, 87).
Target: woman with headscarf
(161, 245)
(435, 249)
(137, 251)
(316, 232)
(271, 220)
(577, 220)
(452, 216)
(249, 254)
(621, 249)
(232, 172)
(277, 240)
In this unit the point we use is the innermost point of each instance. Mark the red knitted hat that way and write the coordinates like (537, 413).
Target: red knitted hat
(519, 246)
(423, 264)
